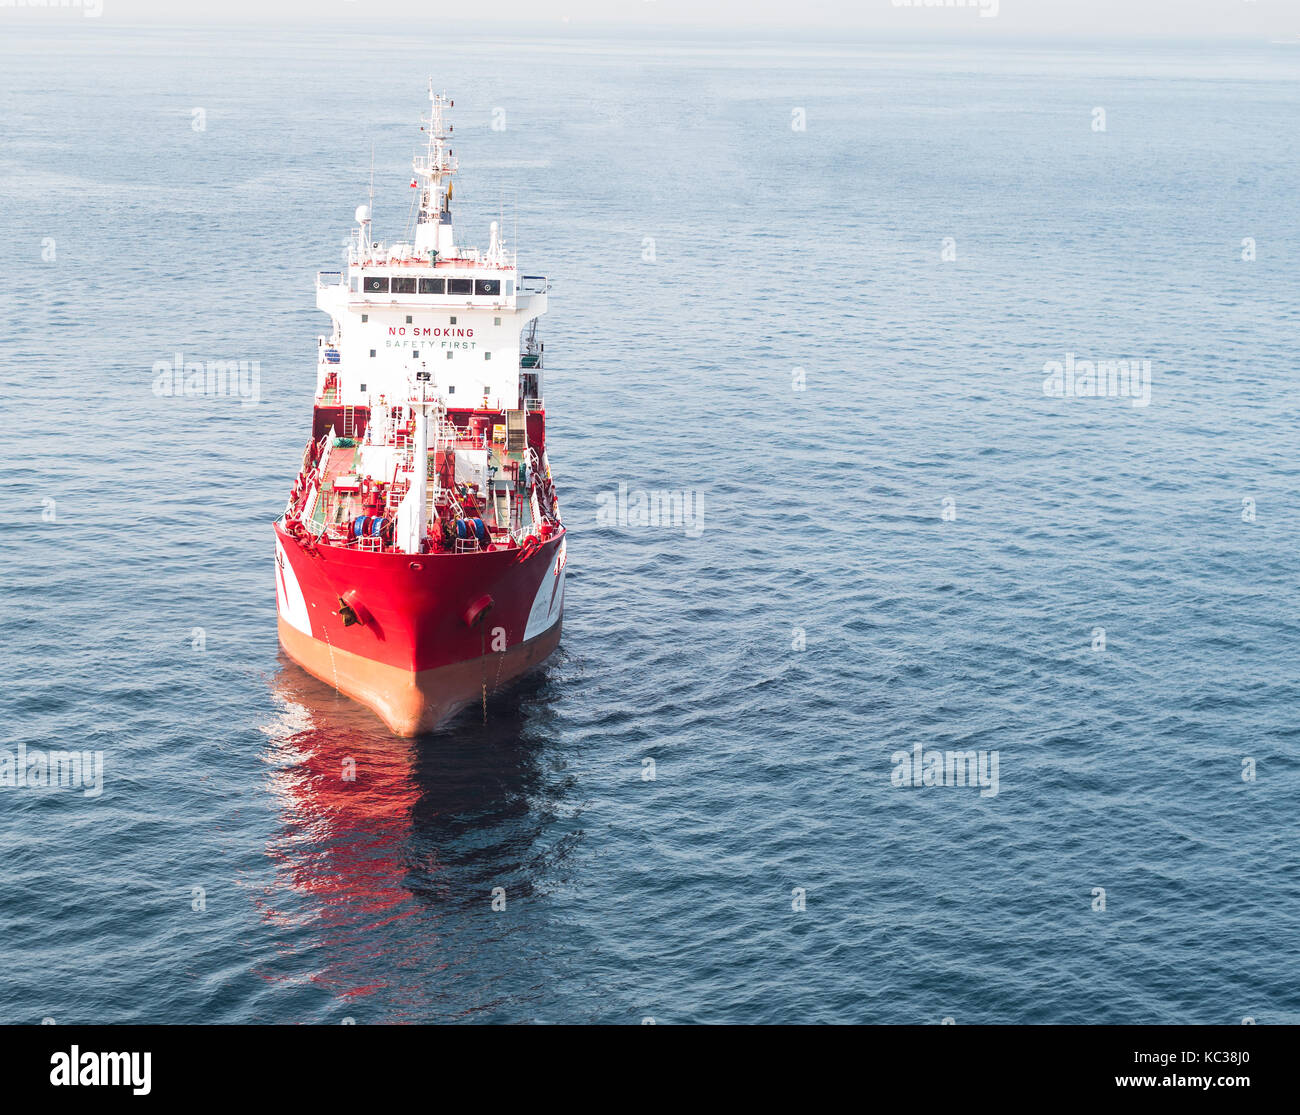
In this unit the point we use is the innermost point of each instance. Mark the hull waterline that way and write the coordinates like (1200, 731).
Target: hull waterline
(411, 702)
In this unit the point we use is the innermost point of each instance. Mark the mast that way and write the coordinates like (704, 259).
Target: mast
(420, 477)
(434, 169)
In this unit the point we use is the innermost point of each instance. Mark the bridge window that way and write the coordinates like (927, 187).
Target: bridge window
(433, 286)
(376, 284)
(403, 285)
(487, 355)
(487, 286)
(460, 286)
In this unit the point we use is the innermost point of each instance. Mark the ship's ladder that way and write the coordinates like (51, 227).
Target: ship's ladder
(397, 492)
(516, 431)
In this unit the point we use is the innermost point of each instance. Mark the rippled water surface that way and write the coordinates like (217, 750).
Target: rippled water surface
(828, 615)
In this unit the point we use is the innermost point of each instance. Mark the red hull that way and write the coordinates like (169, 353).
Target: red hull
(430, 630)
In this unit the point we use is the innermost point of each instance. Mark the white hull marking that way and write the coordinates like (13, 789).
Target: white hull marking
(289, 600)
(548, 604)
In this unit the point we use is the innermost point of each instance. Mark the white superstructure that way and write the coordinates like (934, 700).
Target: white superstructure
(430, 305)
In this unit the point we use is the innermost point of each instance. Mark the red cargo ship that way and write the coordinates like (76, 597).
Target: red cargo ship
(420, 558)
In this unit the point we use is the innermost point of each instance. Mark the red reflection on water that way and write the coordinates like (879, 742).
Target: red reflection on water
(374, 831)
(346, 790)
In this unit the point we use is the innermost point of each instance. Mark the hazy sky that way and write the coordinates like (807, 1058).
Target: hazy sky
(1094, 17)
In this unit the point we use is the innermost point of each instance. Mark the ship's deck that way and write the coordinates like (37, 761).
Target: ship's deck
(503, 510)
